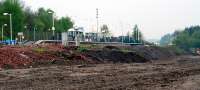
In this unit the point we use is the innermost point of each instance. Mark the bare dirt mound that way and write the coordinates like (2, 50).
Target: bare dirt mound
(151, 52)
(10, 57)
(14, 57)
(36, 56)
(128, 54)
(115, 56)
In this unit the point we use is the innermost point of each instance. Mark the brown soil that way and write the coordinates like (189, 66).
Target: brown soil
(180, 73)
(104, 68)
(35, 56)
(115, 56)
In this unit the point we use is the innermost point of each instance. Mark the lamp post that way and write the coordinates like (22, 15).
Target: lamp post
(11, 31)
(2, 30)
(97, 18)
(129, 38)
(34, 33)
(53, 24)
(27, 32)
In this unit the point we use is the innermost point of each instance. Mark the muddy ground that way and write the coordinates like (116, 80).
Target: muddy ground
(180, 73)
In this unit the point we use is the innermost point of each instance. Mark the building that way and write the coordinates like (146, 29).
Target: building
(91, 37)
(72, 33)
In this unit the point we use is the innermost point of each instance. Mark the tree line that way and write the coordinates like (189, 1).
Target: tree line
(23, 19)
(186, 39)
(135, 36)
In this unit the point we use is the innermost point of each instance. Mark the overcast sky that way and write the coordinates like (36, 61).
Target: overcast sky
(154, 17)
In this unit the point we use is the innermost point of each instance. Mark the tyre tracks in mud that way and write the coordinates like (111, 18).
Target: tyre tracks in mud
(135, 76)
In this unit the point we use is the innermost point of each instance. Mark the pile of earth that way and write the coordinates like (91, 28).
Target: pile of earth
(115, 56)
(20, 57)
(14, 57)
(128, 54)
(152, 52)
(36, 56)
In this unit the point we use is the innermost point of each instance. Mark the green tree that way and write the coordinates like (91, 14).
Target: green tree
(188, 38)
(64, 24)
(137, 34)
(44, 19)
(26, 19)
(16, 9)
(30, 19)
(105, 31)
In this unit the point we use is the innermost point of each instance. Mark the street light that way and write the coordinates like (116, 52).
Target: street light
(25, 27)
(34, 32)
(27, 32)
(9, 14)
(4, 25)
(53, 25)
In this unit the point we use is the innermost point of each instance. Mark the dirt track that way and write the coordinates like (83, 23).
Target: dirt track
(181, 73)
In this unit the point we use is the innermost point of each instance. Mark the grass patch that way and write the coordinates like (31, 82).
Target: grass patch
(82, 49)
(39, 50)
(126, 50)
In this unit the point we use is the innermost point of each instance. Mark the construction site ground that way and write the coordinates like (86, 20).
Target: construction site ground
(180, 73)
(99, 68)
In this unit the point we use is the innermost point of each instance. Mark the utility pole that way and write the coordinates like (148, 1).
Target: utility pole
(129, 37)
(2, 31)
(121, 24)
(11, 31)
(34, 33)
(53, 23)
(97, 17)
